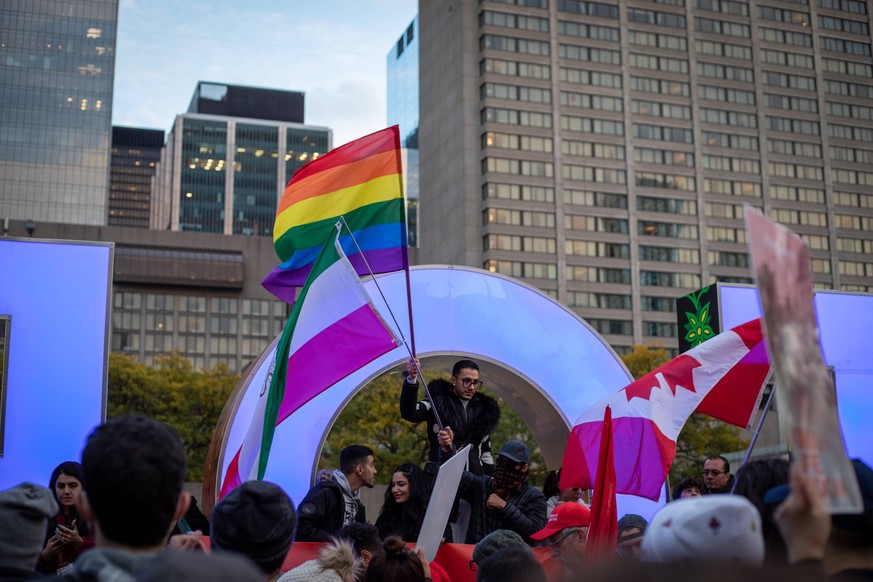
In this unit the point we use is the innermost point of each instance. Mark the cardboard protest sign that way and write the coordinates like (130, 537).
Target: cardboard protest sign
(805, 388)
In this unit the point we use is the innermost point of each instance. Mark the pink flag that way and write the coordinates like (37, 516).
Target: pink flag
(333, 330)
(648, 414)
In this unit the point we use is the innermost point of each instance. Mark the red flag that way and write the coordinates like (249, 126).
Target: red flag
(603, 532)
(649, 413)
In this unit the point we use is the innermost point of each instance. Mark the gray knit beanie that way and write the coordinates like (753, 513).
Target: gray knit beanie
(24, 512)
(498, 539)
(257, 520)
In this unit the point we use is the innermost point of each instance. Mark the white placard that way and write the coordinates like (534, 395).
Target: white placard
(440, 506)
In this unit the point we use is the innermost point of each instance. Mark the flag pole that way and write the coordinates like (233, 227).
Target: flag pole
(758, 428)
(409, 348)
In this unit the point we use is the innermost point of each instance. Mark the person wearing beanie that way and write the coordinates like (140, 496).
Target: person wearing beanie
(501, 538)
(566, 534)
(257, 520)
(504, 501)
(712, 529)
(24, 511)
(631, 528)
(336, 562)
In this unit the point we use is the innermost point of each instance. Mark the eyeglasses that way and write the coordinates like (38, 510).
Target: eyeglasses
(467, 382)
(473, 565)
(713, 472)
(553, 544)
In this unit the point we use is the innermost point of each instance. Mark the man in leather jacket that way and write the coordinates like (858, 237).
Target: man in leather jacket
(471, 414)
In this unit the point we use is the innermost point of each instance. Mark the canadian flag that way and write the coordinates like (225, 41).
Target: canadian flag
(648, 414)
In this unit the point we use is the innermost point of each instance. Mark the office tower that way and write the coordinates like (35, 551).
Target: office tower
(57, 62)
(228, 159)
(135, 153)
(602, 150)
(402, 69)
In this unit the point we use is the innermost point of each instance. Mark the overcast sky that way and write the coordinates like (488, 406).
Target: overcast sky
(332, 50)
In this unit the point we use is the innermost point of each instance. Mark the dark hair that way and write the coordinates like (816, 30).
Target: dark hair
(396, 563)
(133, 469)
(362, 536)
(727, 465)
(552, 484)
(687, 483)
(405, 519)
(753, 480)
(464, 365)
(510, 564)
(70, 469)
(351, 457)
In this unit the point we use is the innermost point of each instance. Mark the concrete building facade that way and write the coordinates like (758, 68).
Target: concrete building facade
(196, 293)
(603, 150)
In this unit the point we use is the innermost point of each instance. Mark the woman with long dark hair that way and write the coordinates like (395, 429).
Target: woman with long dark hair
(67, 536)
(405, 504)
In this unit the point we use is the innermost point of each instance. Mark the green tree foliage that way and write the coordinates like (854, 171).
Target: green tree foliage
(372, 418)
(174, 392)
(701, 436)
(643, 359)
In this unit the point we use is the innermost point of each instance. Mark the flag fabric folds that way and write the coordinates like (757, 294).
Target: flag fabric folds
(603, 532)
(360, 181)
(648, 413)
(333, 330)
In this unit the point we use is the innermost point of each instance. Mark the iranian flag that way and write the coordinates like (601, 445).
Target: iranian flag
(648, 414)
(333, 331)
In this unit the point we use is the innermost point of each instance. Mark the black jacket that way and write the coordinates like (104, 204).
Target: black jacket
(525, 511)
(474, 428)
(321, 512)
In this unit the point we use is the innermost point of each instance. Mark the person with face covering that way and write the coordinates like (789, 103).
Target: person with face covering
(405, 504)
(67, 535)
(504, 501)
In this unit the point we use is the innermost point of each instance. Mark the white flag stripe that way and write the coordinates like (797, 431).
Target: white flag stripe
(667, 411)
(331, 297)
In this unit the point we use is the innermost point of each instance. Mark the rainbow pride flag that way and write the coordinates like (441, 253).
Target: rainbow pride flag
(361, 181)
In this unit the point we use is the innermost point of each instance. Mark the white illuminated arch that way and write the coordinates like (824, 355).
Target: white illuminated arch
(536, 354)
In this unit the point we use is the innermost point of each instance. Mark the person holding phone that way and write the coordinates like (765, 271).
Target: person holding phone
(67, 536)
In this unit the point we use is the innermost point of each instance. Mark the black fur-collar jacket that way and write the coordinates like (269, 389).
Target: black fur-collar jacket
(474, 427)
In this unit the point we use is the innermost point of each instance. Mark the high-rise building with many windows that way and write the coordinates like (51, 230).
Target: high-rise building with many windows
(402, 91)
(57, 63)
(227, 160)
(603, 150)
(135, 154)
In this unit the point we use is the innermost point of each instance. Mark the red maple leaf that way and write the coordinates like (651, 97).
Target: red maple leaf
(676, 372)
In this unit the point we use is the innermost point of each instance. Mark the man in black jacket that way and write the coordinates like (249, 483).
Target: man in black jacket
(335, 501)
(505, 501)
(471, 414)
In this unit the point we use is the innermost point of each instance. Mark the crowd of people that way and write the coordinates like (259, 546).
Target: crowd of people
(122, 514)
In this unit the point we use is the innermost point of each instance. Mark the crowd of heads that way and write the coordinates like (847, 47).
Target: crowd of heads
(127, 495)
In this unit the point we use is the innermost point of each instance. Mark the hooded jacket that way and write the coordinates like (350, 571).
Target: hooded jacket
(336, 563)
(473, 427)
(322, 511)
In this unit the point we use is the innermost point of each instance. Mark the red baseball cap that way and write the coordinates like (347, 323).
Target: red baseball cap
(565, 515)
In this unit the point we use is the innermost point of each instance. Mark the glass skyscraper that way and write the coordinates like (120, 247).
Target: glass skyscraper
(225, 171)
(57, 64)
(402, 75)
(135, 154)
